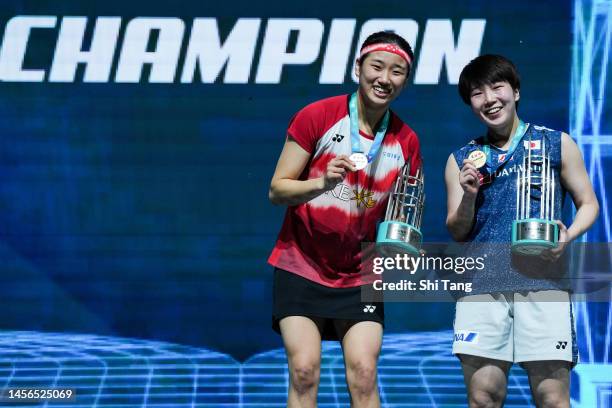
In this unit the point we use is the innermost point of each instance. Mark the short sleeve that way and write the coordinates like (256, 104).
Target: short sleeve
(304, 127)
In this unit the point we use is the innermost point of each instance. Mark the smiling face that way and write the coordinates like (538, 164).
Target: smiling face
(382, 76)
(495, 104)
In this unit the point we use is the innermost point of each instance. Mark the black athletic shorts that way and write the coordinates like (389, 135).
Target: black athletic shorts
(333, 310)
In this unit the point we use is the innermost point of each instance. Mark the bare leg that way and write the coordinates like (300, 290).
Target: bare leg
(549, 382)
(303, 347)
(486, 380)
(361, 346)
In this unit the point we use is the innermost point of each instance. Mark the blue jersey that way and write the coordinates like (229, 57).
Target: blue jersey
(496, 210)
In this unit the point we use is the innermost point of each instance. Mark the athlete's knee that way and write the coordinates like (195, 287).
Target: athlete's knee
(361, 377)
(554, 400)
(485, 399)
(487, 395)
(304, 374)
(551, 388)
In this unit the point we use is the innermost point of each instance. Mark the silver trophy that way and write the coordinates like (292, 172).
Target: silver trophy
(534, 228)
(400, 232)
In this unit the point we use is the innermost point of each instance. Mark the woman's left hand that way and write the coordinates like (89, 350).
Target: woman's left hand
(555, 253)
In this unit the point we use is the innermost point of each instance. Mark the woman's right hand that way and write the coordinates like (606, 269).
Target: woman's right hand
(468, 178)
(336, 171)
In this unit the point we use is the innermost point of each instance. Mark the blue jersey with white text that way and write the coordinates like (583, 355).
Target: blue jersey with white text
(495, 211)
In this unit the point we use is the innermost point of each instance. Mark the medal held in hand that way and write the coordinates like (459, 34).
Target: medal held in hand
(360, 160)
(479, 160)
(534, 228)
(400, 232)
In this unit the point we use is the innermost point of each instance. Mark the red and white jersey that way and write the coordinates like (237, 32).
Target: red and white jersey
(321, 239)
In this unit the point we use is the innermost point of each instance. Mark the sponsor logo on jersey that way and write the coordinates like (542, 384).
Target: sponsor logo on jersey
(394, 156)
(561, 345)
(466, 336)
(254, 50)
(341, 192)
(364, 197)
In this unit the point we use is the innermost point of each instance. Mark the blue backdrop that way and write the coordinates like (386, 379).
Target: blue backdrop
(133, 188)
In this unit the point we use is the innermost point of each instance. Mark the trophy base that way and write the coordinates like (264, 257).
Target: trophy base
(395, 237)
(533, 236)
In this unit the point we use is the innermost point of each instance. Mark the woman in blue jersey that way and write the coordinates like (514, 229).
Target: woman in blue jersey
(512, 317)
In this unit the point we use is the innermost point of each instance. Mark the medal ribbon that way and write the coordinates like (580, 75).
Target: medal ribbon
(355, 143)
(516, 140)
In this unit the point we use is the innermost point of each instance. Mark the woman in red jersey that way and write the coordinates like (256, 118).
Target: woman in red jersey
(340, 159)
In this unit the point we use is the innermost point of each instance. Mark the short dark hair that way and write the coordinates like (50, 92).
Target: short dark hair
(388, 37)
(487, 69)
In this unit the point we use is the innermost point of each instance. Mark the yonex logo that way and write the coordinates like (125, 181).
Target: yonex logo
(338, 138)
(561, 345)
(541, 128)
(369, 309)
(467, 336)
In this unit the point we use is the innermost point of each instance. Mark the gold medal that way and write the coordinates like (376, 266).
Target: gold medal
(478, 158)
